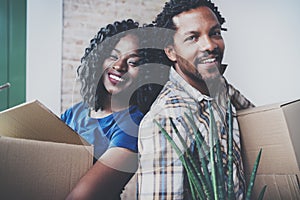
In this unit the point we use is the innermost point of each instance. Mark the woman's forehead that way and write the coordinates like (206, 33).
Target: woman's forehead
(128, 43)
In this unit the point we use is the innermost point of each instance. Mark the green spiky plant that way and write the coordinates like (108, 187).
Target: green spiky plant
(203, 184)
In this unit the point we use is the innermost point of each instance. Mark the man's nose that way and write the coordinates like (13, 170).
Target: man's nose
(207, 44)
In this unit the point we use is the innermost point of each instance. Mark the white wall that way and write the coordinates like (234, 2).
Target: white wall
(44, 50)
(263, 48)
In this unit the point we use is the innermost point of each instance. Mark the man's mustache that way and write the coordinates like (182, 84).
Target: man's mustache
(215, 52)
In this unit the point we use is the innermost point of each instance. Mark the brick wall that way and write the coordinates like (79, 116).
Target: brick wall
(82, 20)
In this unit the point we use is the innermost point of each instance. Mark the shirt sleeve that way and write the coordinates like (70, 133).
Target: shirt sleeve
(126, 130)
(238, 100)
(160, 173)
(124, 140)
(67, 116)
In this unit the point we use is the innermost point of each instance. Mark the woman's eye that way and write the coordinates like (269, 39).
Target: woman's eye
(133, 63)
(113, 57)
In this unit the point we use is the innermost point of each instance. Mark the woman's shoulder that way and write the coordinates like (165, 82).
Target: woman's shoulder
(75, 111)
(132, 113)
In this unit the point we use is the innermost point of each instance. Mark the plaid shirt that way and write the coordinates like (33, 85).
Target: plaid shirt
(161, 174)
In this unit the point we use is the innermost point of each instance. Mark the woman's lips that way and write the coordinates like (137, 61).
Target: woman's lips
(115, 79)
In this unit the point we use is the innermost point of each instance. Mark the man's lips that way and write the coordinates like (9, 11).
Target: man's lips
(207, 63)
(207, 60)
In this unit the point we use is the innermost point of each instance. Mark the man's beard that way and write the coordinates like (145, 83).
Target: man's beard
(212, 80)
(211, 74)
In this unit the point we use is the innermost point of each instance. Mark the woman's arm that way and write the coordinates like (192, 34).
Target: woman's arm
(107, 177)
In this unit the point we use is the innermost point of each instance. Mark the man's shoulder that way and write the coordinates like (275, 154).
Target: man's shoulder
(171, 102)
(173, 96)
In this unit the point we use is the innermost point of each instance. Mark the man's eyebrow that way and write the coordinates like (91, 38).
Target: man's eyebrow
(218, 26)
(191, 32)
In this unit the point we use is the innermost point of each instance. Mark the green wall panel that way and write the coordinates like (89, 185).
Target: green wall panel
(17, 52)
(13, 55)
(3, 53)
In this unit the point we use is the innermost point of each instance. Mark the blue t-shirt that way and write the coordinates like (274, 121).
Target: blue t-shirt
(119, 129)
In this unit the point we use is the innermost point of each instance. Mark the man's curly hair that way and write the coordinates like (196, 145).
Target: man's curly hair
(90, 71)
(175, 7)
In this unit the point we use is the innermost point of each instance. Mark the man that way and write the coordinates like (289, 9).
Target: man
(196, 48)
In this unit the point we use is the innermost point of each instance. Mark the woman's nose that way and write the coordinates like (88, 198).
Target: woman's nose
(120, 65)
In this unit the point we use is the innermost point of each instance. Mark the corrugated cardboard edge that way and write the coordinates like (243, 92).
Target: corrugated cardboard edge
(264, 108)
(292, 121)
(279, 186)
(33, 169)
(33, 120)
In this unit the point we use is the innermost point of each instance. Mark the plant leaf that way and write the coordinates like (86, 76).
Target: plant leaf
(200, 143)
(262, 193)
(212, 153)
(190, 172)
(230, 189)
(253, 175)
(191, 160)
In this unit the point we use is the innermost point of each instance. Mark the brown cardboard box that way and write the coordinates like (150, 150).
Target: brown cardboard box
(276, 129)
(40, 156)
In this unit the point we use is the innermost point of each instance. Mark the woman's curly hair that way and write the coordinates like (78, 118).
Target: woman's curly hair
(90, 71)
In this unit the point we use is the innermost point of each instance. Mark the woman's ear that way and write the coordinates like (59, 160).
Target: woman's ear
(170, 52)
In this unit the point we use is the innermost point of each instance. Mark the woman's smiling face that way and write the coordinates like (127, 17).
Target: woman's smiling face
(120, 68)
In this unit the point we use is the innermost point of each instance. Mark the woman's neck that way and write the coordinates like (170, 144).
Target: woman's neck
(110, 106)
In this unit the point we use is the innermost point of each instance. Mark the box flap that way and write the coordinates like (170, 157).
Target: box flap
(292, 112)
(264, 108)
(278, 186)
(269, 131)
(31, 169)
(32, 120)
(290, 102)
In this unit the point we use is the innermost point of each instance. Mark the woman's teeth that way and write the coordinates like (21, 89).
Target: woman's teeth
(117, 78)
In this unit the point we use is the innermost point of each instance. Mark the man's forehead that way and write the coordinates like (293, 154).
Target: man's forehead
(195, 18)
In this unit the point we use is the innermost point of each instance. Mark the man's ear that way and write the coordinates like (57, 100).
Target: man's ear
(170, 52)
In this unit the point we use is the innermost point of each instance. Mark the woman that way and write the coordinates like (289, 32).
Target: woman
(108, 117)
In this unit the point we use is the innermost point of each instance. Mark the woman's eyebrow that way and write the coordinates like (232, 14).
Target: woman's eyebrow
(134, 55)
(130, 54)
(118, 51)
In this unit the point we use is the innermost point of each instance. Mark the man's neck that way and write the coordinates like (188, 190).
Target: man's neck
(198, 84)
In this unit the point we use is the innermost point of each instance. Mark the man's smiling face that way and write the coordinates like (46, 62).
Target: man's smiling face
(198, 46)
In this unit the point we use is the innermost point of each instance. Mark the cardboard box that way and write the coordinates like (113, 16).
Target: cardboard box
(276, 129)
(40, 156)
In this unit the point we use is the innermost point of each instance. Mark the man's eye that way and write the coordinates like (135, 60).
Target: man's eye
(192, 38)
(217, 33)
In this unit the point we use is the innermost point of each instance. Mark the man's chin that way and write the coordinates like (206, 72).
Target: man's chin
(212, 77)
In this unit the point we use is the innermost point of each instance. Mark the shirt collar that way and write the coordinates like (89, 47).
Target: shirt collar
(181, 83)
